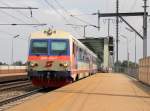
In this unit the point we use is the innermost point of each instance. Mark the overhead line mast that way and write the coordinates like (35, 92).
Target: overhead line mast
(145, 29)
(117, 29)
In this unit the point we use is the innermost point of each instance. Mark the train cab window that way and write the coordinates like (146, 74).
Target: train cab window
(39, 47)
(59, 47)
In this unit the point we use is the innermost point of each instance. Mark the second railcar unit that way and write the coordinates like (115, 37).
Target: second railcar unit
(56, 58)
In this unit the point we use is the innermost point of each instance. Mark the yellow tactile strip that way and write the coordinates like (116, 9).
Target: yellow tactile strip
(100, 92)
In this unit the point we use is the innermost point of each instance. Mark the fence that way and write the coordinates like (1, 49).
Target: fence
(131, 71)
(12, 69)
(144, 70)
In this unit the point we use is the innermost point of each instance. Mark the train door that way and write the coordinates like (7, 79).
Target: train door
(74, 58)
(90, 64)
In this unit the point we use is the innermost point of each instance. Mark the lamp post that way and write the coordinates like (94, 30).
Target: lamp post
(12, 52)
(28, 40)
(135, 50)
(135, 44)
(127, 50)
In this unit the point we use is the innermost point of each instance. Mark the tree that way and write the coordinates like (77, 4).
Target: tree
(18, 63)
(119, 63)
(3, 63)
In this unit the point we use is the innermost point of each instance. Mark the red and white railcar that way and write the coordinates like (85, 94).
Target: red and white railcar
(56, 58)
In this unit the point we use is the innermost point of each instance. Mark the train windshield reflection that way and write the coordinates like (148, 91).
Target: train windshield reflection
(39, 47)
(59, 47)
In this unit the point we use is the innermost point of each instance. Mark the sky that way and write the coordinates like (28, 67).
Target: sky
(57, 13)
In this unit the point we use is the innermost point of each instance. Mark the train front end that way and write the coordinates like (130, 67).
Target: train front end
(49, 62)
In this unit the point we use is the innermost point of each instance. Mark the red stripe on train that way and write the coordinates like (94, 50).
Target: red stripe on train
(62, 58)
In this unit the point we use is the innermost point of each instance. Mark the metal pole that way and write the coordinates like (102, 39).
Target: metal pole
(98, 20)
(145, 30)
(84, 30)
(12, 52)
(28, 49)
(117, 28)
(135, 44)
(135, 50)
(108, 27)
(127, 53)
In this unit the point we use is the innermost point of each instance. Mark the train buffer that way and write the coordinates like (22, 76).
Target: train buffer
(100, 92)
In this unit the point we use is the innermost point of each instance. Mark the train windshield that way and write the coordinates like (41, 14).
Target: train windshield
(59, 47)
(39, 47)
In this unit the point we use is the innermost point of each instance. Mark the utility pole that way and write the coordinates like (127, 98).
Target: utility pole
(135, 44)
(128, 54)
(84, 27)
(135, 50)
(117, 28)
(109, 20)
(109, 27)
(98, 20)
(12, 51)
(145, 29)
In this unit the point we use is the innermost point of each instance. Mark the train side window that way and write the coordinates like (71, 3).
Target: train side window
(94, 60)
(86, 59)
(83, 56)
(79, 54)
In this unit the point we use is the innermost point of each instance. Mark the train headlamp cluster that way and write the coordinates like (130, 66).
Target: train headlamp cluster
(65, 65)
(33, 64)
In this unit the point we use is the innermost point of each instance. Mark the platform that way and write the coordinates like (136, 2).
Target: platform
(12, 77)
(100, 92)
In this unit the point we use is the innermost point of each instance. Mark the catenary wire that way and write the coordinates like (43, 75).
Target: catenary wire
(72, 16)
(29, 18)
(64, 18)
(63, 8)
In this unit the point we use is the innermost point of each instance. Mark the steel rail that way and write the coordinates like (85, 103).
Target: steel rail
(14, 86)
(13, 99)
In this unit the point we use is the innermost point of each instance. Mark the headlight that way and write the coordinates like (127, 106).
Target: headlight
(33, 64)
(65, 65)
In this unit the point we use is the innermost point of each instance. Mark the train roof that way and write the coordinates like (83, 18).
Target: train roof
(45, 34)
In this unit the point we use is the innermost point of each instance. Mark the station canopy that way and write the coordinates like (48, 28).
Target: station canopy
(96, 45)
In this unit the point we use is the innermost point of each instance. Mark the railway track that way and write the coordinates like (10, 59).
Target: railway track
(14, 91)
(14, 85)
(16, 98)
